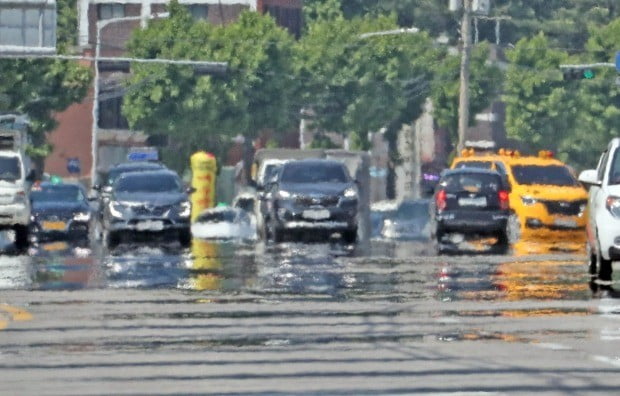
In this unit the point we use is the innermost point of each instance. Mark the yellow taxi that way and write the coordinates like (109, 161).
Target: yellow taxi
(546, 197)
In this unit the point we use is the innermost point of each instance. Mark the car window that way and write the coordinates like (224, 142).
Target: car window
(471, 182)
(314, 173)
(614, 169)
(148, 183)
(10, 169)
(602, 165)
(474, 164)
(57, 194)
(550, 175)
(227, 216)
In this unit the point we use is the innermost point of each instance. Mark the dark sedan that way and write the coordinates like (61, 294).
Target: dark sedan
(147, 202)
(311, 197)
(471, 202)
(60, 210)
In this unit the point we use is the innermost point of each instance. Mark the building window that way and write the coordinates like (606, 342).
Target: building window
(110, 115)
(199, 11)
(109, 11)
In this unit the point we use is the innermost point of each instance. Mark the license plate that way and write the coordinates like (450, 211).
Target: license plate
(318, 214)
(54, 225)
(152, 225)
(565, 223)
(477, 202)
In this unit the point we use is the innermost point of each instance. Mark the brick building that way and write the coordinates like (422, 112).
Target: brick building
(73, 137)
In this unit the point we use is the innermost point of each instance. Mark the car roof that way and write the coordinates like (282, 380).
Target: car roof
(139, 164)
(310, 161)
(154, 172)
(449, 172)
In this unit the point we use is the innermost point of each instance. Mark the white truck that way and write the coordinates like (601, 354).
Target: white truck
(16, 177)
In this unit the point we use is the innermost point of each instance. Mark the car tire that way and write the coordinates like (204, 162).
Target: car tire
(112, 239)
(350, 236)
(592, 260)
(277, 234)
(185, 237)
(22, 239)
(503, 242)
(604, 268)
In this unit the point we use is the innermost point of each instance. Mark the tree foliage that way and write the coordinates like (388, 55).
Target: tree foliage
(254, 95)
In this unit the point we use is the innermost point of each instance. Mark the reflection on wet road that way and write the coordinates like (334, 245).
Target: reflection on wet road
(244, 318)
(400, 271)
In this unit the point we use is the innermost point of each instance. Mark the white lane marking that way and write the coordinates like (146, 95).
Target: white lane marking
(552, 346)
(605, 359)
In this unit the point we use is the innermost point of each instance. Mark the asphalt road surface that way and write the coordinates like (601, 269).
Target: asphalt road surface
(224, 318)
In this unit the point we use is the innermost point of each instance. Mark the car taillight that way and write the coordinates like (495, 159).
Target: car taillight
(504, 200)
(441, 199)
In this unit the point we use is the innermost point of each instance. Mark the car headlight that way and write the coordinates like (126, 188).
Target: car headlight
(185, 209)
(528, 201)
(116, 209)
(613, 205)
(284, 194)
(350, 193)
(81, 216)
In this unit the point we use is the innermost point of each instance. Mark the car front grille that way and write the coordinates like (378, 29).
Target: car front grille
(151, 210)
(325, 201)
(567, 208)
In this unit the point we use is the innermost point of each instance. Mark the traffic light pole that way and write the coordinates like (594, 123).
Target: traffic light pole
(464, 85)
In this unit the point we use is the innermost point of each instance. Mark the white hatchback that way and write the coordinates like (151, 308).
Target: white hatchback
(603, 227)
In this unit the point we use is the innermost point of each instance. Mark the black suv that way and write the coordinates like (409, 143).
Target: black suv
(314, 196)
(471, 201)
(147, 202)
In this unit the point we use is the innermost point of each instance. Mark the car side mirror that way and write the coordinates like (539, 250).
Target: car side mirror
(190, 190)
(97, 187)
(590, 178)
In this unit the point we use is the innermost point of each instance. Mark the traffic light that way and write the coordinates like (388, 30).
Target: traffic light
(578, 73)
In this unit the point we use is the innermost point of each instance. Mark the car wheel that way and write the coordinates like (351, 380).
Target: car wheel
(592, 260)
(185, 237)
(350, 236)
(277, 234)
(112, 239)
(503, 242)
(604, 268)
(21, 236)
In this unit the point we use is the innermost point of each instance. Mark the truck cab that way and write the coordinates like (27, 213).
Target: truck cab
(16, 177)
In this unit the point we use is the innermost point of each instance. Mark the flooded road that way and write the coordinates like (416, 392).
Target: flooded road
(245, 318)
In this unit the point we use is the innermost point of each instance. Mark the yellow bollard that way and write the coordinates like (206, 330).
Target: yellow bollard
(204, 168)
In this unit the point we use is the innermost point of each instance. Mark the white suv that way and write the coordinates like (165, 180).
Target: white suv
(603, 227)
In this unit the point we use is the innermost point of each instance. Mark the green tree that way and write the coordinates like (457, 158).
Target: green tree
(254, 95)
(40, 88)
(360, 85)
(540, 111)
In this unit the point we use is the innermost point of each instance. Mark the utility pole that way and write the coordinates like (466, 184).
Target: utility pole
(464, 90)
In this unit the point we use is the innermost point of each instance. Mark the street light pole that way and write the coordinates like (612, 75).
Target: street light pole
(95, 114)
(464, 85)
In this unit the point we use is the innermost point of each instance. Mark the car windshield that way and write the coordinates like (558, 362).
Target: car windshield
(57, 194)
(222, 216)
(116, 173)
(270, 171)
(552, 175)
(475, 164)
(471, 182)
(314, 173)
(147, 183)
(9, 168)
(614, 171)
